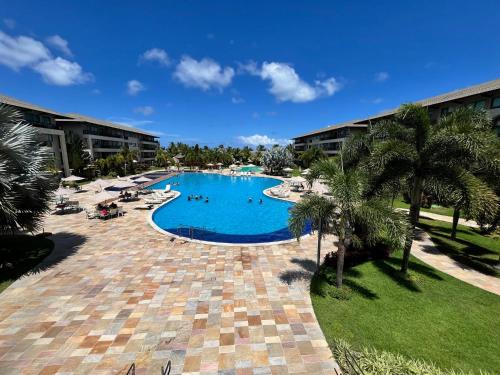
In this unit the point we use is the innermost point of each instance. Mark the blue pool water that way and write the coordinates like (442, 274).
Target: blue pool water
(228, 216)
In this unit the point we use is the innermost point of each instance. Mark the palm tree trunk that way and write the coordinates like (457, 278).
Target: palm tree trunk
(340, 262)
(320, 234)
(456, 216)
(416, 196)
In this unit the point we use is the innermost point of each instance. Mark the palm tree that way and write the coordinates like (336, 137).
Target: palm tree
(311, 155)
(26, 186)
(356, 221)
(320, 211)
(408, 148)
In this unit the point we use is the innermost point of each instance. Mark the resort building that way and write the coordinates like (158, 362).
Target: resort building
(102, 138)
(485, 95)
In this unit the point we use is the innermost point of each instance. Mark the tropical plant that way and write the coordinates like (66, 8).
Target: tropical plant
(25, 185)
(320, 211)
(277, 158)
(355, 220)
(311, 155)
(407, 150)
(161, 157)
(78, 158)
(466, 192)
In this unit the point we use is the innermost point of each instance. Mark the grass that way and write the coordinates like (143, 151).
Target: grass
(429, 316)
(23, 253)
(470, 247)
(435, 209)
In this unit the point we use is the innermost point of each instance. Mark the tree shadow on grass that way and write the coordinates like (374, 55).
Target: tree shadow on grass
(360, 290)
(66, 245)
(471, 256)
(290, 276)
(394, 273)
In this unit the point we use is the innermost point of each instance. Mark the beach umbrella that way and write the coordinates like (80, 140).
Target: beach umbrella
(233, 166)
(98, 184)
(250, 165)
(142, 179)
(219, 163)
(287, 169)
(210, 165)
(62, 191)
(123, 184)
(105, 196)
(72, 178)
(305, 172)
(297, 180)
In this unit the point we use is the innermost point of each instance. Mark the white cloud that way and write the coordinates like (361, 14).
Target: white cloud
(134, 87)
(258, 139)
(146, 110)
(204, 74)
(20, 52)
(237, 99)
(60, 43)
(249, 67)
(61, 72)
(156, 54)
(96, 92)
(381, 77)
(26, 52)
(10, 23)
(286, 85)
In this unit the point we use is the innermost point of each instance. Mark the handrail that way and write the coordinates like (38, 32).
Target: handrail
(131, 370)
(191, 229)
(166, 370)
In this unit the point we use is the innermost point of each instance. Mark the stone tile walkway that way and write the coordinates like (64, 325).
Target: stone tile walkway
(424, 249)
(116, 292)
(448, 219)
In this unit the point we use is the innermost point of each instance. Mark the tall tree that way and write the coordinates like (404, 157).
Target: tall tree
(408, 148)
(78, 158)
(25, 185)
(311, 155)
(345, 211)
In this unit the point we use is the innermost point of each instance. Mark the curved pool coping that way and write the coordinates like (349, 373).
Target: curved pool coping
(178, 194)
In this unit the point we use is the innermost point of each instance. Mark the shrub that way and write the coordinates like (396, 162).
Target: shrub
(375, 362)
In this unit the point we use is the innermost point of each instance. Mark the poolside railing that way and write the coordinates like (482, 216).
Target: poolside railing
(164, 370)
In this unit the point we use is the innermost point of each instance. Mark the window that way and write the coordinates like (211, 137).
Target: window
(480, 104)
(445, 111)
(495, 103)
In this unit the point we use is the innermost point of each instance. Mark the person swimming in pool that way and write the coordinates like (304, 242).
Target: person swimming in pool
(250, 200)
(206, 200)
(261, 201)
(189, 198)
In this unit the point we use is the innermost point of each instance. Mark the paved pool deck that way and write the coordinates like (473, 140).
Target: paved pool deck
(116, 292)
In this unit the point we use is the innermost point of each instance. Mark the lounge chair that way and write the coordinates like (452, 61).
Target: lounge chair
(113, 212)
(167, 188)
(144, 207)
(91, 214)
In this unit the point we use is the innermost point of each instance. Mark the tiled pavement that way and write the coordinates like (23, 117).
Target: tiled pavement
(423, 248)
(117, 292)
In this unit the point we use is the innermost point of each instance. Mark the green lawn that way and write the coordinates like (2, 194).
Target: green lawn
(23, 253)
(431, 316)
(470, 248)
(399, 203)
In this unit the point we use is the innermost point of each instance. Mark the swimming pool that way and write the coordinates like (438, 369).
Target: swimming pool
(228, 216)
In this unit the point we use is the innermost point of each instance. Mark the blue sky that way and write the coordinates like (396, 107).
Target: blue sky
(237, 72)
